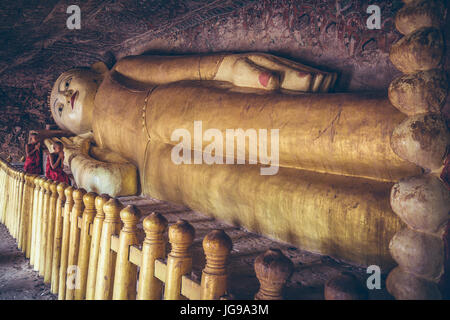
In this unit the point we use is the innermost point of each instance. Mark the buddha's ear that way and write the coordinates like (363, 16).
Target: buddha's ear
(100, 68)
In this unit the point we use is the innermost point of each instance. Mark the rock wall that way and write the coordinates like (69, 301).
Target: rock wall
(36, 46)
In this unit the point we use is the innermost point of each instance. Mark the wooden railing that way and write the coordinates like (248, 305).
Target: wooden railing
(86, 246)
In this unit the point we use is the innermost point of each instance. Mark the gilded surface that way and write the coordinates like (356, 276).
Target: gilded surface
(331, 193)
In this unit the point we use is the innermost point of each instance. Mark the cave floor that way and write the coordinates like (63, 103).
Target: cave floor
(18, 280)
(311, 271)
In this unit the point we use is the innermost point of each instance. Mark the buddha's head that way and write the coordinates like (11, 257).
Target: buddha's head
(72, 98)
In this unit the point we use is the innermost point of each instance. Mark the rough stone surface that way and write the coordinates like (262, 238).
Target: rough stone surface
(422, 139)
(422, 202)
(421, 92)
(425, 13)
(36, 46)
(419, 253)
(419, 51)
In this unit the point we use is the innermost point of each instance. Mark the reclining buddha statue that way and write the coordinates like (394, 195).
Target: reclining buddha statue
(332, 159)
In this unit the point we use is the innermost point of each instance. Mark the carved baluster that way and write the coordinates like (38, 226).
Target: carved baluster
(68, 206)
(23, 224)
(217, 246)
(13, 211)
(95, 245)
(272, 269)
(10, 197)
(154, 247)
(37, 258)
(19, 213)
(3, 191)
(107, 257)
(7, 194)
(44, 227)
(29, 213)
(85, 244)
(50, 234)
(179, 261)
(21, 227)
(57, 241)
(12, 201)
(74, 245)
(5, 197)
(17, 208)
(34, 219)
(125, 277)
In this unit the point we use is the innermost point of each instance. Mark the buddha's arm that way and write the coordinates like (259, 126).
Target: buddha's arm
(255, 70)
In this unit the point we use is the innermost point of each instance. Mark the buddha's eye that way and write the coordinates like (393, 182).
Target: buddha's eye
(68, 83)
(60, 109)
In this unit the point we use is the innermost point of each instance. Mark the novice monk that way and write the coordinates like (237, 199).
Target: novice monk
(33, 152)
(55, 164)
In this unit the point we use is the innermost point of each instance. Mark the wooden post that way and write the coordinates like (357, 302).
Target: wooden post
(23, 225)
(179, 261)
(13, 212)
(125, 276)
(68, 193)
(44, 227)
(85, 244)
(2, 188)
(154, 247)
(3, 191)
(73, 280)
(57, 242)
(11, 204)
(107, 257)
(34, 219)
(272, 269)
(6, 195)
(19, 214)
(10, 197)
(29, 213)
(217, 246)
(37, 251)
(95, 245)
(50, 231)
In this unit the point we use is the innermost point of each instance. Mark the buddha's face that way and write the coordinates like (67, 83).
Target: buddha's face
(72, 99)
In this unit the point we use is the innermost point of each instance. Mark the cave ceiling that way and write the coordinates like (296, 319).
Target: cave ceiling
(36, 46)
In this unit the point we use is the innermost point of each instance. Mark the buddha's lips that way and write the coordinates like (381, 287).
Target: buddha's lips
(72, 99)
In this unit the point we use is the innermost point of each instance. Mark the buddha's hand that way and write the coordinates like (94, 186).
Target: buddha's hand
(95, 169)
(265, 71)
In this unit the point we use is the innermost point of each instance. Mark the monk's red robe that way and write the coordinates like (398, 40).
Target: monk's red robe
(56, 174)
(33, 163)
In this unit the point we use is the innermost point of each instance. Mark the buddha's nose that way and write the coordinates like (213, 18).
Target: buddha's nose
(68, 93)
